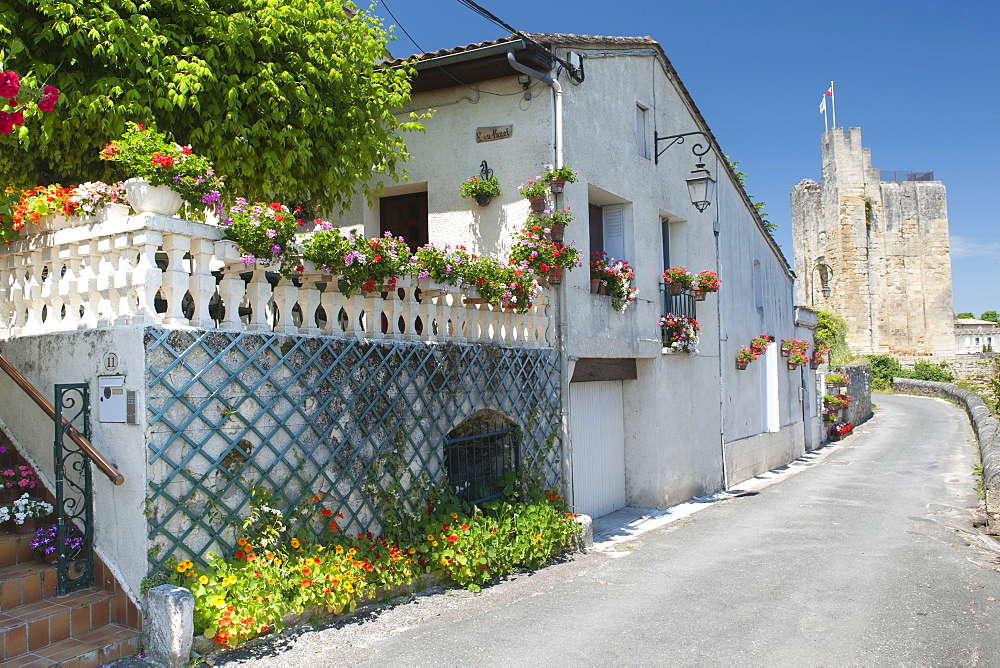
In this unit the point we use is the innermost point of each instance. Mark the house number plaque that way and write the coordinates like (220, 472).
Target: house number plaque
(494, 133)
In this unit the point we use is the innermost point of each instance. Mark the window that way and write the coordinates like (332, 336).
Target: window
(607, 230)
(771, 412)
(405, 216)
(642, 130)
(477, 454)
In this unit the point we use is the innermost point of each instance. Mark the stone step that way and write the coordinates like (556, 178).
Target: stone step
(24, 583)
(95, 648)
(29, 628)
(15, 549)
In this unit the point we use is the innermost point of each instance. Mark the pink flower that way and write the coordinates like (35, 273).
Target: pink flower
(10, 84)
(49, 96)
(6, 123)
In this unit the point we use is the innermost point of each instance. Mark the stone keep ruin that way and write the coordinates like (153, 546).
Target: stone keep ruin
(873, 247)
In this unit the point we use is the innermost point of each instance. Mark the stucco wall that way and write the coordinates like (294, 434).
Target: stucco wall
(680, 410)
(859, 389)
(74, 357)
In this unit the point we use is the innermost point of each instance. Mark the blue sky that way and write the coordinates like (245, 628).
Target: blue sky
(919, 77)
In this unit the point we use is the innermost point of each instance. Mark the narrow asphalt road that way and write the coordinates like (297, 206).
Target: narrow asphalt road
(868, 557)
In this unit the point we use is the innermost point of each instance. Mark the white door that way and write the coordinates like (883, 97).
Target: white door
(597, 430)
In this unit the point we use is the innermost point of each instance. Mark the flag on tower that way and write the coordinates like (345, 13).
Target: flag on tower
(822, 106)
(829, 91)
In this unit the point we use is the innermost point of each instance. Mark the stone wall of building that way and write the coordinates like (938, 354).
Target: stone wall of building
(879, 250)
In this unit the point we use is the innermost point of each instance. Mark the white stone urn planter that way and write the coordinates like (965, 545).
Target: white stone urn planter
(146, 198)
(112, 211)
(227, 252)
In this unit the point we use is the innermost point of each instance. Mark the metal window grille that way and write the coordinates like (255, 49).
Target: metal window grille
(682, 304)
(889, 175)
(477, 461)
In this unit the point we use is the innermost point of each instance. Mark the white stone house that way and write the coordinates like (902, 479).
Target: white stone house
(976, 336)
(642, 426)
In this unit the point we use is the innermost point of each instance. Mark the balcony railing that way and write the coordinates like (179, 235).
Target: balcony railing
(888, 175)
(150, 269)
(682, 304)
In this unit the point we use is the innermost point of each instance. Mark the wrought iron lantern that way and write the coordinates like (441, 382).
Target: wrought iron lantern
(701, 187)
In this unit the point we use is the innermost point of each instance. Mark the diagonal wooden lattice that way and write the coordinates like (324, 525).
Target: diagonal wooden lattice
(350, 419)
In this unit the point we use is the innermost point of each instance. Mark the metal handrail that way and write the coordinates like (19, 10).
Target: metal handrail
(106, 467)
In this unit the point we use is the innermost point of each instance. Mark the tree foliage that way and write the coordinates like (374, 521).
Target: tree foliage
(965, 314)
(990, 315)
(831, 330)
(286, 97)
(741, 176)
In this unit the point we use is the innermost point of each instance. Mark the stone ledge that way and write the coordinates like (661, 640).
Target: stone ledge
(984, 424)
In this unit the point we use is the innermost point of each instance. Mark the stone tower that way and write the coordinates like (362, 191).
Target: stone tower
(875, 252)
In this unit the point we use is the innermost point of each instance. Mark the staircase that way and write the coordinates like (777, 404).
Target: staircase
(88, 627)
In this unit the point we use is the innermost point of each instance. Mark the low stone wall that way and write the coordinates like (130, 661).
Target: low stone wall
(859, 389)
(983, 423)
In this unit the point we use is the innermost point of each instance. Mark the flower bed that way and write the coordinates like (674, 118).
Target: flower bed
(277, 572)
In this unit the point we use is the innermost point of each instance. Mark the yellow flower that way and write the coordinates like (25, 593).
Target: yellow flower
(454, 516)
(430, 537)
(218, 601)
(295, 542)
(352, 551)
(181, 567)
(413, 550)
(320, 548)
(435, 543)
(340, 549)
(277, 562)
(270, 581)
(203, 580)
(228, 580)
(9, 191)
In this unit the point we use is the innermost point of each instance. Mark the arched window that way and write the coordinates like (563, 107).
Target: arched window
(478, 452)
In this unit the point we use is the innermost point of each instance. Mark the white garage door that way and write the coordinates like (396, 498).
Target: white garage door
(597, 430)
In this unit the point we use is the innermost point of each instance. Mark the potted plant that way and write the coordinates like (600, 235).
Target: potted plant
(558, 177)
(534, 191)
(165, 174)
(820, 355)
(9, 231)
(498, 284)
(46, 206)
(679, 333)
(482, 189)
(100, 200)
(613, 277)
(15, 481)
(554, 221)
(543, 256)
(262, 233)
(368, 265)
(678, 279)
(796, 359)
(744, 357)
(46, 538)
(759, 344)
(705, 282)
(836, 380)
(27, 511)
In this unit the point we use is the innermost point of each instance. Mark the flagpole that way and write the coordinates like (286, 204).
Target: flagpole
(833, 103)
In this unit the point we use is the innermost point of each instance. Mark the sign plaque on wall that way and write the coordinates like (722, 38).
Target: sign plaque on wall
(494, 133)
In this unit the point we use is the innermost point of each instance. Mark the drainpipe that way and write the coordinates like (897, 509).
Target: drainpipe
(560, 312)
(557, 94)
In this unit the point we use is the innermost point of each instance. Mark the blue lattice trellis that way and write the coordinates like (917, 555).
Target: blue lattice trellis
(232, 411)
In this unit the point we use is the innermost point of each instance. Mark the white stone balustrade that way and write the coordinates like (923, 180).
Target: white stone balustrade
(151, 269)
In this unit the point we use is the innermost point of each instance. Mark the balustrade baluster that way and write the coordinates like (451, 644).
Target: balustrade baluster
(176, 278)
(373, 315)
(33, 292)
(284, 298)
(331, 300)
(146, 277)
(309, 302)
(87, 285)
(231, 291)
(48, 298)
(259, 295)
(202, 285)
(354, 307)
(66, 288)
(121, 298)
(18, 295)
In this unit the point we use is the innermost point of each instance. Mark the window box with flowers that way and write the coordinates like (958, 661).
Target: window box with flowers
(165, 174)
(759, 344)
(263, 233)
(679, 333)
(612, 277)
(482, 189)
(797, 359)
(789, 346)
(46, 207)
(836, 381)
(820, 355)
(368, 265)
(679, 280)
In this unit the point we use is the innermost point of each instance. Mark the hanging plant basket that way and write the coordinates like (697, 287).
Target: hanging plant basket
(742, 366)
(482, 199)
(556, 184)
(558, 232)
(699, 295)
(537, 203)
(675, 289)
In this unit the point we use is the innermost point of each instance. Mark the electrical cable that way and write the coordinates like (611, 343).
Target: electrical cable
(446, 72)
(573, 72)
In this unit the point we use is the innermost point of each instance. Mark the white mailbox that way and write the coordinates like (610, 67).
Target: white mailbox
(111, 398)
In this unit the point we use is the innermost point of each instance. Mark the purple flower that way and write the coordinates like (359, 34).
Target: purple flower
(270, 234)
(247, 259)
(211, 197)
(275, 248)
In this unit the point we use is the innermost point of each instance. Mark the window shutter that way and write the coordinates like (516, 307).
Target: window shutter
(614, 230)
